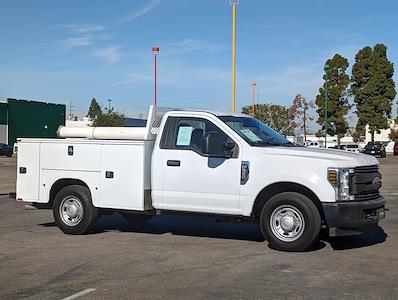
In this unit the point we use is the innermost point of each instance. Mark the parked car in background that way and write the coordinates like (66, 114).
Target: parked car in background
(396, 148)
(312, 144)
(351, 147)
(375, 148)
(341, 147)
(5, 150)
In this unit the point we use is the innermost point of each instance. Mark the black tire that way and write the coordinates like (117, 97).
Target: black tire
(9, 155)
(136, 218)
(81, 196)
(296, 204)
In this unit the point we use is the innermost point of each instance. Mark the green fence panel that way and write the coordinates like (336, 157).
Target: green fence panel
(31, 119)
(3, 113)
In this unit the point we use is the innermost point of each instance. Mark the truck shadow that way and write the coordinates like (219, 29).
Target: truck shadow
(210, 227)
(183, 225)
(371, 237)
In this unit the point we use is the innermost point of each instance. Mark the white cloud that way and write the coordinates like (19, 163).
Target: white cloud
(141, 12)
(133, 78)
(192, 45)
(82, 28)
(286, 83)
(174, 73)
(109, 54)
(74, 42)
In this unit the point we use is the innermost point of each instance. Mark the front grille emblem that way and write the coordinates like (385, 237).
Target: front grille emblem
(376, 182)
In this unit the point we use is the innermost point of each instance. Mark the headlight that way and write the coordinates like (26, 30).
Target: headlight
(340, 180)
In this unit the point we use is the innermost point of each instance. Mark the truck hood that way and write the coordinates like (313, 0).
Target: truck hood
(337, 158)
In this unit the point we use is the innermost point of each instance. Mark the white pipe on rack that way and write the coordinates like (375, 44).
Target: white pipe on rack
(103, 133)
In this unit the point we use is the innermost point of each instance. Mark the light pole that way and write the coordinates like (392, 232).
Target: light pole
(233, 3)
(326, 68)
(253, 92)
(155, 51)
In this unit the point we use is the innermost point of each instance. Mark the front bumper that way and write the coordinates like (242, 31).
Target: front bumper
(353, 217)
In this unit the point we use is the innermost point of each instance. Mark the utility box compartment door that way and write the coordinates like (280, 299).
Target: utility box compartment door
(28, 175)
(122, 177)
(71, 156)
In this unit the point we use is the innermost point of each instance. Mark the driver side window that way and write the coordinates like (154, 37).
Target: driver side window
(188, 134)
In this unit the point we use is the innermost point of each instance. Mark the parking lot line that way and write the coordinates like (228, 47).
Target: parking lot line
(74, 296)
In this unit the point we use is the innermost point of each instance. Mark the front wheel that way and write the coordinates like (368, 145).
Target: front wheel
(73, 210)
(290, 222)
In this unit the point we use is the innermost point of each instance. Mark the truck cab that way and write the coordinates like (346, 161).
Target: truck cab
(206, 162)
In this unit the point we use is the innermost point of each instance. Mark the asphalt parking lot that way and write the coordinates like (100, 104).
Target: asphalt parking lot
(188, 257)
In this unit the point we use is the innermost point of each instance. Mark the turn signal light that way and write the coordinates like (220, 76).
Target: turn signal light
(332, 176)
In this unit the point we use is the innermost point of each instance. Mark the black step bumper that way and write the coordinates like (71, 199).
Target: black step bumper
(353, 217)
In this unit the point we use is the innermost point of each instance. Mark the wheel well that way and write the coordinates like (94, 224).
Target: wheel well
(276, 188)
(60, 184)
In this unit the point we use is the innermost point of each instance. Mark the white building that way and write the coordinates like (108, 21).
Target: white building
(84, 122)
(384, 133)
(383, 136)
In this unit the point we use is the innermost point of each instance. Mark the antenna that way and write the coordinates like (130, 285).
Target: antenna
(71, 109)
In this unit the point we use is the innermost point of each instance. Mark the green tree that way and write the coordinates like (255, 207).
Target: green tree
(299, 112)
(373, 88)
(94, 110)
(110, 118)
(338, 106)
(355, 135)
(276, 116)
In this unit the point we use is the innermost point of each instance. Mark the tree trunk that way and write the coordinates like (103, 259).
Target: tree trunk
(338, 141)
(372, 135)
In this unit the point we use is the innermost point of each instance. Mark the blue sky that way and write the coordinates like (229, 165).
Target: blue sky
(60, 51)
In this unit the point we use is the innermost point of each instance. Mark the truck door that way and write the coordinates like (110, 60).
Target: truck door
(192, 181)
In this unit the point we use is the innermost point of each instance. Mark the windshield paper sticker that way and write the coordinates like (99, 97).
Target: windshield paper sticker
(251, 135)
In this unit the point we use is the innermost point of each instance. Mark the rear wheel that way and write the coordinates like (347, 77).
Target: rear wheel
(290, 222)
(73, 210)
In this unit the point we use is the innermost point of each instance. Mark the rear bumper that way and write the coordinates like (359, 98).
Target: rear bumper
(374, 152)
(353, 217)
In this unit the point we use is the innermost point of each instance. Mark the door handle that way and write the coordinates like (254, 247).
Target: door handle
(173, 163)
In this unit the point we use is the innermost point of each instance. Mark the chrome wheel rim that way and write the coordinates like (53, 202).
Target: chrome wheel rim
(287, 223)
(71, 211)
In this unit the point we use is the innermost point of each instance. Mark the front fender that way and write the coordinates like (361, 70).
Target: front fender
(264, 174)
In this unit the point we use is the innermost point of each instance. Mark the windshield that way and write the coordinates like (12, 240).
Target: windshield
(255, 132)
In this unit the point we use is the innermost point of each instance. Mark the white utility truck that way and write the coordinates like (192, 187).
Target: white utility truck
(191, 161)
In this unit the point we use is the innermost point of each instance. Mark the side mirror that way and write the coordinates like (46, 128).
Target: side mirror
(212, 145)
(229, 146)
